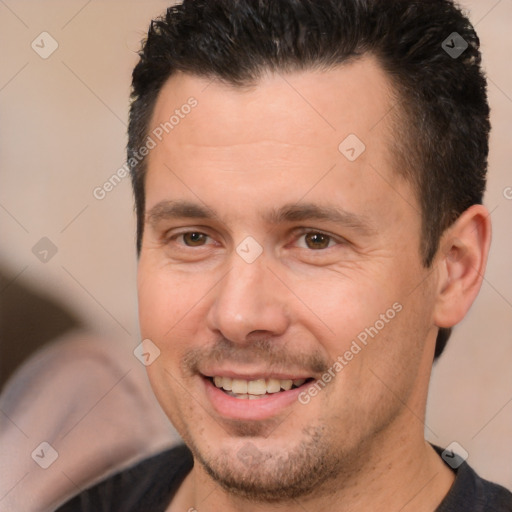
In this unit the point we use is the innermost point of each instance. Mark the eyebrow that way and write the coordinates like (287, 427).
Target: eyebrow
(293, 212)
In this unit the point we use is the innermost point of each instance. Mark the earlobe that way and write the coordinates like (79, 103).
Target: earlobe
(462, 258)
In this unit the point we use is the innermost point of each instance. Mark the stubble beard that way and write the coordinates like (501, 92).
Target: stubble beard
(309, 469)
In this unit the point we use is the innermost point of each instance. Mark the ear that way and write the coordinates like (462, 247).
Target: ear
(461, 262)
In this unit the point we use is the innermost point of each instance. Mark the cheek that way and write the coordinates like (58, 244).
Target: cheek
(345, 306)
(374, 327)
(163, 299)
(165, 309)
(172, 309)
(154, 301)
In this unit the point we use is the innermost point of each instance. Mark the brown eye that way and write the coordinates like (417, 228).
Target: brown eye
(317, 240)
(194, 239)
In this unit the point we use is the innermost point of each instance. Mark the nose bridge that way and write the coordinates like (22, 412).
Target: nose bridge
(246, 301)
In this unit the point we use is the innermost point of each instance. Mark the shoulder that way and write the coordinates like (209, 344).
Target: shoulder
(489, 496)
(471, 493)
(149, 485)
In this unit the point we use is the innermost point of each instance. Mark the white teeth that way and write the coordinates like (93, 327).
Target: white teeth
(223, 382)
(256, 387)
(239, 386)
(287, 384)
(252, 389)
(273, 386)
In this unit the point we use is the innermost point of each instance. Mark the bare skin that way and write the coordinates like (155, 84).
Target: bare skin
(245, 154)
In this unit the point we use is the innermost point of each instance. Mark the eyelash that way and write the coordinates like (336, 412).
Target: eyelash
(299, 234)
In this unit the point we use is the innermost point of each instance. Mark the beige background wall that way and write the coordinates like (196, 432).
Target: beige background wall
(62, 134)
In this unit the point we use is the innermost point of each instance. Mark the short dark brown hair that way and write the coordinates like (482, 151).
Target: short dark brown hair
(428, 48)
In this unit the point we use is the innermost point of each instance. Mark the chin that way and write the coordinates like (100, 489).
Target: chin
(270, 471)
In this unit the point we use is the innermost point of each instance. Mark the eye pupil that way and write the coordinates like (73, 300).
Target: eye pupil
(317, 241)
(194, 239)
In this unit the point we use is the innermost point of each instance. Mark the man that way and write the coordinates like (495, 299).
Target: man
(308, 178)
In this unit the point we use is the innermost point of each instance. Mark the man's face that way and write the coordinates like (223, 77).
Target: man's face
(256, 278)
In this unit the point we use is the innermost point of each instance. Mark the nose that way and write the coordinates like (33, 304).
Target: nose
(249, 301)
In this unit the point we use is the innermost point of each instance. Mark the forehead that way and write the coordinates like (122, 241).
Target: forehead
(287, 107)
(314, 133)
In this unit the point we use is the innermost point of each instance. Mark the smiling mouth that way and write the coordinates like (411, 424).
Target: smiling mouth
(255, 389)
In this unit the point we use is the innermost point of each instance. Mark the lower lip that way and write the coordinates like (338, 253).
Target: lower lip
(245, 409)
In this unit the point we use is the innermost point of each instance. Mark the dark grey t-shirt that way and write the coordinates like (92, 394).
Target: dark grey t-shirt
(150, 486)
